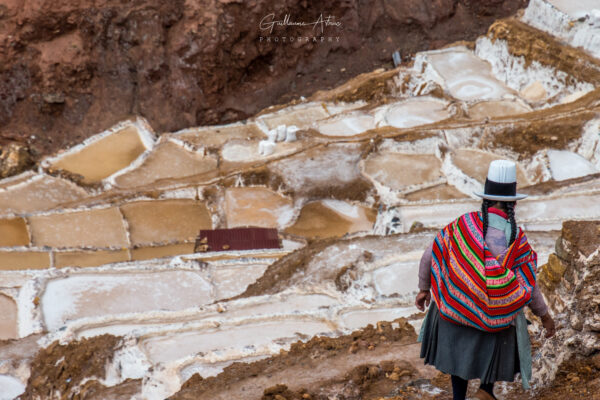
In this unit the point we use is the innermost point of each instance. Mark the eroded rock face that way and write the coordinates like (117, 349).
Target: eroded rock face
(573, 294)
(73, 68)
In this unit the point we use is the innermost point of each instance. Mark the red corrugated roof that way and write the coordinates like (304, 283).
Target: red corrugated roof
(237, 239)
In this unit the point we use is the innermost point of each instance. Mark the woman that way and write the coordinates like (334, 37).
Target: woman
(483, 275)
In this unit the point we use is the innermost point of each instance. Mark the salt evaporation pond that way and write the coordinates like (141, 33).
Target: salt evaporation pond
(232, 339)
(38, 193)
(397, 170)
(400, 278)
(95, 295)
(346, 125)
(497, 108)
(104, 154)
(567, 165)
(286, 304)
(576, 9)
(233, 280)
(257, 206)
(416, 112)
(168, 160)
(327, 218)
(8, 318)
(466, 76)
(11, 387)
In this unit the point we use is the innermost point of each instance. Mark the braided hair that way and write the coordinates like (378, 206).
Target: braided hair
(484, 213)
(509, 207)
(510, 210)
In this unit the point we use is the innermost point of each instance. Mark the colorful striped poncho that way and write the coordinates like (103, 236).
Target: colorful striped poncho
(470, 286)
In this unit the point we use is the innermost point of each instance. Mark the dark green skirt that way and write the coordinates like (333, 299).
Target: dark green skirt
(468, 352)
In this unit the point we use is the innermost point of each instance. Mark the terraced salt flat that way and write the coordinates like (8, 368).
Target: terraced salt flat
(312, 169)
(398, 171)
(11, 387)
(497, 108)
(38, 192)
(94, 295)
(416, 111)
(332, 218)
(105, 154)
(256, 206)
(165, 221)
(577, 9)
(466, 76)
(217, 136)
(474, 163)
(302, 116)
(398, 278)
(568, 165)
(346, 124)
(162, 349)
(243, 151)
(168, 160)
(90, 248)
(8, 318)
(102, 227)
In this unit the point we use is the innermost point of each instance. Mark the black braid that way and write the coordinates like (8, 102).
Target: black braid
(510, 210)
(484, 213)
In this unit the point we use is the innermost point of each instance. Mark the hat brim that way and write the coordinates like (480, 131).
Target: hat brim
(518, 196)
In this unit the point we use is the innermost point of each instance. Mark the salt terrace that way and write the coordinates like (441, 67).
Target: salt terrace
(100, 237)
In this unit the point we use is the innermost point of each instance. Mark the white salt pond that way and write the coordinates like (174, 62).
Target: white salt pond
(95, 295)
(302, 116)
(576, 9)
(313, 168)
(267, 306)
(497, 108)
(475, 163)
(8, 318)
(346, 125)
(233, 280)
(466, 76)
(567, 165)
(38, 193)
(288, 304)
(231, 339)
(257, 206)
(401, 278)
(246, 151)
(415, 112)
(397, 171)
(10, 387)
(168, 160)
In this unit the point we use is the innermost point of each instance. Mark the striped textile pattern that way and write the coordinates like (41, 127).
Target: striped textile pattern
(470, 286)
